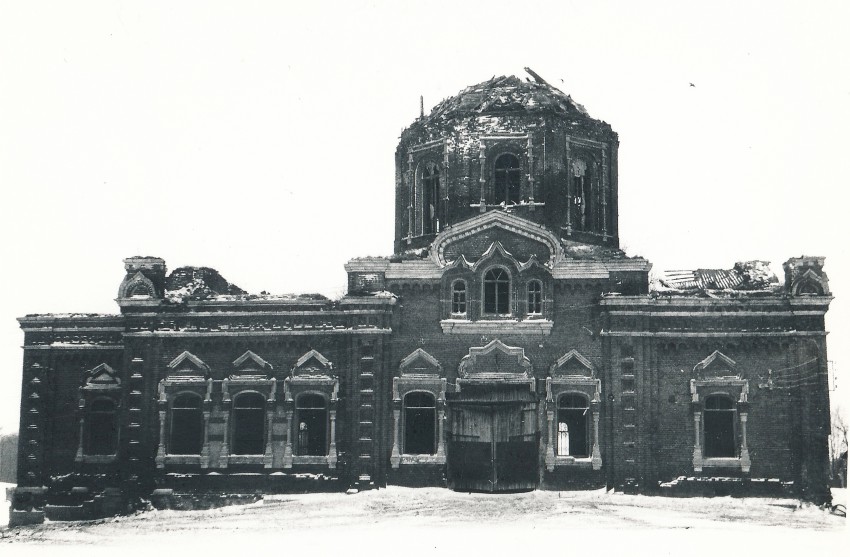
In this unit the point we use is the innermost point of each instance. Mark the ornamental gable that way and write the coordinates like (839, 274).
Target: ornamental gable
(716, 365)
(313, 363)
(496, 358)
(188, 366)
(251, 365)
(420, 362)
(572, 364)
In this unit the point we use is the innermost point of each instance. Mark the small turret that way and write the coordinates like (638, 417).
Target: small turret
(144, 279)
(804, 276)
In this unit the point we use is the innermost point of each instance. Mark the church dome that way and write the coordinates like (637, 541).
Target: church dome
(506, 94)
(507, 144)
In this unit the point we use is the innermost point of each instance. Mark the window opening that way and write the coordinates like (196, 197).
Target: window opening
(563, 439)
(497, 286)
(535, 297)
(507, 179)
(573, 426)
(581, 194)
(187, 425)
(140, 290)
(249, 424)
(312, 425)
(430, 199)
(459, 297)
(719, 427)
(420, 418)
(101, 428)
(808, 288)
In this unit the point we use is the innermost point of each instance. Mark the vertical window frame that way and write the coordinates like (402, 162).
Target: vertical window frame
(534, 297)
(502, 292)
(305, 448)
(406, 407)
(562, 409)
(459, 298)
(174, 410)
(732, 413)
(93, 421)
(507, 179)
(260, 410)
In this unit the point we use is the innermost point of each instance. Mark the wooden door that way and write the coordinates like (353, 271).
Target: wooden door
(493, 447)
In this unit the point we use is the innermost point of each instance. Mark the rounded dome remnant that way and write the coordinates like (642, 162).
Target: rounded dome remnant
(507, 144)
(506, 94)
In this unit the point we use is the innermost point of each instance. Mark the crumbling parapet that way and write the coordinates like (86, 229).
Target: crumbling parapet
(804, 276)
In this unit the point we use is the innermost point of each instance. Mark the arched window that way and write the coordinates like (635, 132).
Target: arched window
(187, 425)
(719, 427)
(312, 419)
(497, 288)
(507, 179)
(459, 297)
(430, 199)
(101, 435)
(573, 426)
(810, 288)
(535, 297)
(139, 290)
(420, 419)
(249, 424)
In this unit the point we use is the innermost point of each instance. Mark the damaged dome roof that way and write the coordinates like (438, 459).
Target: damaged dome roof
(507, 94)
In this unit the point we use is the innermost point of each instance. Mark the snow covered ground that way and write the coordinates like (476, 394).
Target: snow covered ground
(4, 505)
(431, 521)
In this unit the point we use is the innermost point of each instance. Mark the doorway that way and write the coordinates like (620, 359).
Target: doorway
(493, 446)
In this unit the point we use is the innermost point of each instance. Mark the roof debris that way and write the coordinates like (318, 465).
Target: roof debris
(204, 283)
(747, 276)
(505, 94)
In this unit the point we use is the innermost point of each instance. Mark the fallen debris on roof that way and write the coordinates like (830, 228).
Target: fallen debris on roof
(747, 276)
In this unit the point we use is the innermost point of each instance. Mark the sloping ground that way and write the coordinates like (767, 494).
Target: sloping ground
(416, 521)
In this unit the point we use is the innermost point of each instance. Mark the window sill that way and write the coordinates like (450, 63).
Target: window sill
(182, 459)
(719, 462)
(423, 459)
(573, 462)
(244, 459)
(308, 459)
(496, 326)
(97, 459)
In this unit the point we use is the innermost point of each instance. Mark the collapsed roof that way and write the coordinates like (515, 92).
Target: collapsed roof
(746, 276)
(506, 94)
(205, 283)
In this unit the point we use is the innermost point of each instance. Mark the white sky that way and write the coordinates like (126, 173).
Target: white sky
(258, 137)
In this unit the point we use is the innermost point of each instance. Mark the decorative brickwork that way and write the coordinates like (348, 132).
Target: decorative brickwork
(507, 344)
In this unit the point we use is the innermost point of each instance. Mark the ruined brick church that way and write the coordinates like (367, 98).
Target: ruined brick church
(507, 344)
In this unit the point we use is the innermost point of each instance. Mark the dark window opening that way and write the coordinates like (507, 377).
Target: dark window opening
(430, 199)
(312, 423)
(420, 419)
(140, 290)
(507, 179)
(582, 191)
(573, 426)
(497, 286)
(101, 436)
(187, 425)
(719, 427)
(459, 297)
(535, 297)
(249, 424)
(809, 288)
